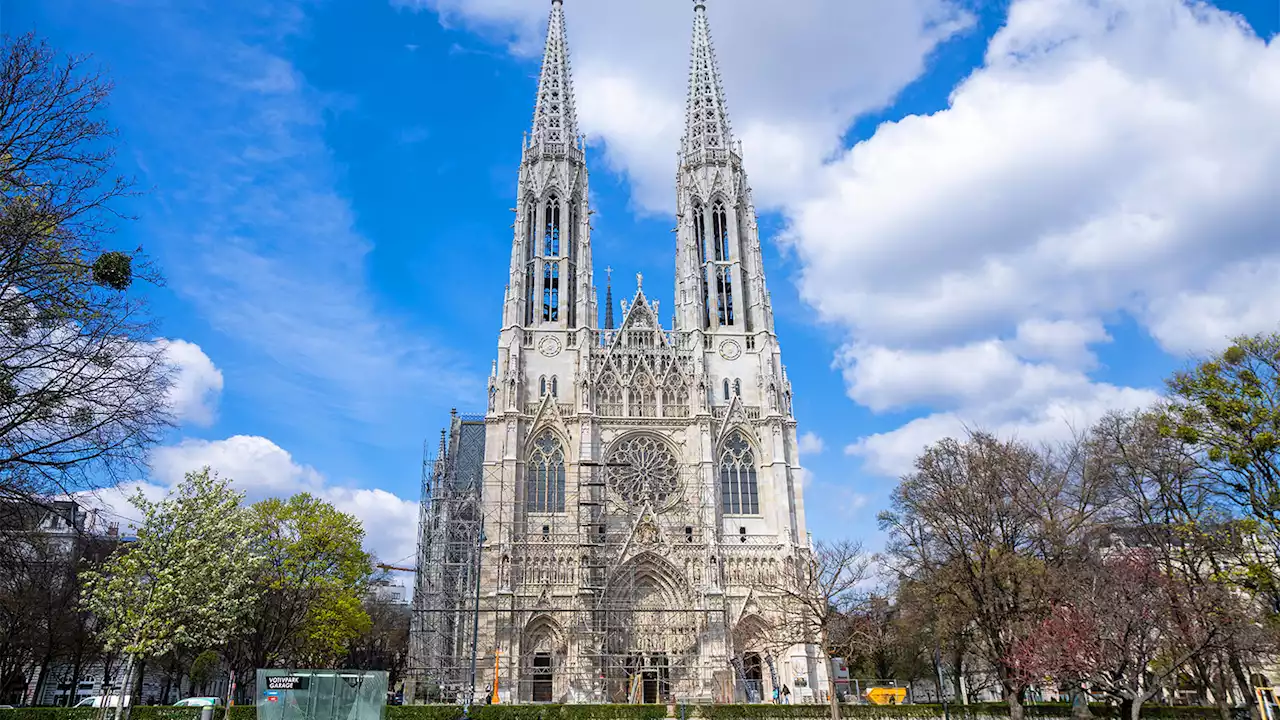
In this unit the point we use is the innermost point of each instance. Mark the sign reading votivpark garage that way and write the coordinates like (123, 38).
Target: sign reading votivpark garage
(287, 682)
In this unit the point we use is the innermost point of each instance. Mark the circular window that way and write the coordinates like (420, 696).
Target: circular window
(643, 469)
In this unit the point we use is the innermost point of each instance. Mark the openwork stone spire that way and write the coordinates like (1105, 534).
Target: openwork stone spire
(706, 117)
(608, 299)
(555, 124)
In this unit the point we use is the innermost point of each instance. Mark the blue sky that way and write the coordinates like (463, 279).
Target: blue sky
(1011, 215)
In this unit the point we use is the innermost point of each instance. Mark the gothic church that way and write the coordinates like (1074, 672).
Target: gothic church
(640, 484)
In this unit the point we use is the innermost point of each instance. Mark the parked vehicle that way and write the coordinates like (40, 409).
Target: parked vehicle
(197, 702)
(98, 701)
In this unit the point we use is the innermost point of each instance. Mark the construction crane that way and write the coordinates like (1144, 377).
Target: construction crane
(396, 568)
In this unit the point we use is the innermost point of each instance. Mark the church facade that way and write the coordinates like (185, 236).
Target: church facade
(640, 494)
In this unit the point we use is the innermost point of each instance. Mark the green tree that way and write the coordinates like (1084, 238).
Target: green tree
(83, 386)
(314, 578)
(187, 581)
(202, 669)
(1227, 411)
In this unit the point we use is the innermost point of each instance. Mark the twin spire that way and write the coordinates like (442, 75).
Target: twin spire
(555, 122)
(706, 118)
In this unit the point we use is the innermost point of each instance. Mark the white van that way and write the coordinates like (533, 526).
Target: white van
(98, 701)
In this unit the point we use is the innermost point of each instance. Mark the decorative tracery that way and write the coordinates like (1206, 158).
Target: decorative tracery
(530, 245)
(642, 468)
(739, 492)
(544, 471)
(700, 240)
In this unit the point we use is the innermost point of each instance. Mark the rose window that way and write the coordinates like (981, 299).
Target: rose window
(643, 469)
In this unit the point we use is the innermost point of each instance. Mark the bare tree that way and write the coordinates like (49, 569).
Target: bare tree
(1127, 628)
(82, 384)
(1167, 503)
(817, 603)
(981, 525)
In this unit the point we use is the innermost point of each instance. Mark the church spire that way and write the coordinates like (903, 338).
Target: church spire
(720, 286)
(550, 286)
(706, 117)
(608, 298)
(555, 124)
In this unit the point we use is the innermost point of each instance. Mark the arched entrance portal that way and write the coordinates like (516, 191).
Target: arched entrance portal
(651, 639)
(543, 654)
(750, 640)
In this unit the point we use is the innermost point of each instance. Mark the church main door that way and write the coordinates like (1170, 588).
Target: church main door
(542, 677)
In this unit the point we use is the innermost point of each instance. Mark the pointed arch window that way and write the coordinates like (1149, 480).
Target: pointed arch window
(726, 389)
(530, 243)
(551, 241)
(739, 489)
(551, 291)
(643, 399)
(610, 397)
(555, 387)
(700, 231)
(737, 388)
(720, 226)
(573, 264)
(544, 486)
(675, 398)
(542, 386)
(724, 294)
(700, 240)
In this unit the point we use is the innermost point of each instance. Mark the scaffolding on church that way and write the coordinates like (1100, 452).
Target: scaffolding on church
(450, 523)
(593, 605)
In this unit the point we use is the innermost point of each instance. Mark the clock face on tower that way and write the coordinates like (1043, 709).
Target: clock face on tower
(730, 350)
(549, 346)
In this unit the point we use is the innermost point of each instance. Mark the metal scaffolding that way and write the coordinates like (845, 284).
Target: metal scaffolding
(450, 526)
(605, 602)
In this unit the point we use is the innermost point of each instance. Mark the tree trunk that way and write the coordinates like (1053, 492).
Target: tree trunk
(831, 687)
(1015, 704)
(1080, 703)
(124, 688)
(958, 678)
(1242, 679)
(1135, 709)
(75, 680)
(1220, 699)
(141, 672)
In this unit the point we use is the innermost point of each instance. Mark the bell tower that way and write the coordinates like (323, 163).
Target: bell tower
(720, 289)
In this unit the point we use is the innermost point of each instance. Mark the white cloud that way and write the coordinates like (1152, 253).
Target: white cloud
(197, 383)
(257, 465)
(261, 469)
(1054, 416)
(1090, 166)
(810, 444)
(794, 79)
(1109, 157)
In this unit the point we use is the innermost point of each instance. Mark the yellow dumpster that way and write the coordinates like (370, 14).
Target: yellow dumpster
(885, 695)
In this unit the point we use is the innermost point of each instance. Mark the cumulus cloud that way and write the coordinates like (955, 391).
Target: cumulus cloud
(1090, 165)
(1108, 157)
(794, 79)
(261, 469)
(197, 383)
(811, 444)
